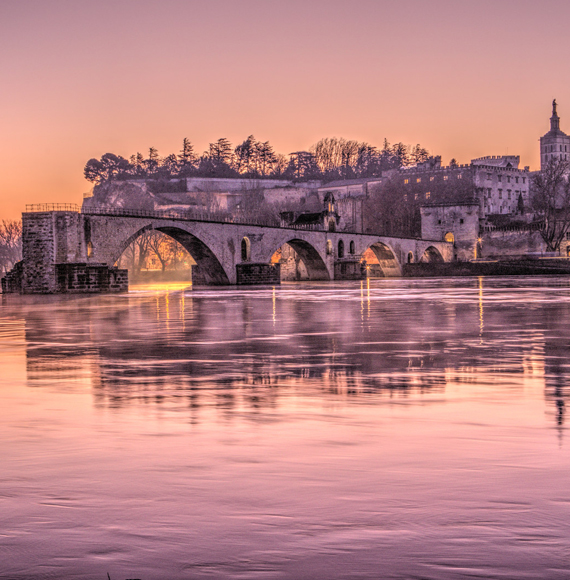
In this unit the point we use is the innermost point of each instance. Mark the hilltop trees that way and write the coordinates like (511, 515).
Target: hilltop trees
(330, 158)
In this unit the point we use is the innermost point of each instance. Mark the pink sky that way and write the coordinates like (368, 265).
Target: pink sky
(80, 79)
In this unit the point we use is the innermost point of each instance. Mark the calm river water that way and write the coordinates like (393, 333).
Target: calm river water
(397, 429)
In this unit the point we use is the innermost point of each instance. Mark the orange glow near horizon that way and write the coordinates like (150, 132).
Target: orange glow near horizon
(462, 79)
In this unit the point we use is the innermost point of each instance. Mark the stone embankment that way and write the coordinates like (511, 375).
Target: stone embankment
(520, 267)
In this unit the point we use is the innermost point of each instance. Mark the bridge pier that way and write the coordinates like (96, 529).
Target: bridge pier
(55, 259)
(258, 273)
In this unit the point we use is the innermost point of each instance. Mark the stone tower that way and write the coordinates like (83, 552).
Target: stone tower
(555, 144)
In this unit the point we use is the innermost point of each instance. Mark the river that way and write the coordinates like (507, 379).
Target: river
(395, 428)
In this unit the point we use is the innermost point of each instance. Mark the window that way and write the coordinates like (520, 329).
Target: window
(406, 181)
(438, 222)
(524, 179)
(428, 194)
(416, 196)
(516, 179)
(509, 193)
(351, 247)
(405, 197)
(460, 176)
(488, 177)
(500, 178)
(419, 180)
(445, 177)
(508, 178)
(500, 194)
(245, 250)
(461, 221)
(432, 178)
(340, 249)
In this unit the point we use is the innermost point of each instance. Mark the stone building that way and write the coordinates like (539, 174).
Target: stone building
(496, 182)
(503, 187)
(555, 144)
(457, 223)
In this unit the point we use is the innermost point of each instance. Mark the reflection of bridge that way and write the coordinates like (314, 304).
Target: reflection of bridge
(67, 250)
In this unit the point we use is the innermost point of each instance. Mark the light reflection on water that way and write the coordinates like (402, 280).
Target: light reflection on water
(383, 429)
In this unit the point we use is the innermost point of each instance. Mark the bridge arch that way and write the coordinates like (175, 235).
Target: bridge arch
(313, 266)
(208, 269)
(381, 261)
(432, 255)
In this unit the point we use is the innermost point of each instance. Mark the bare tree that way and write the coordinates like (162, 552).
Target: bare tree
(550, 198)
(10, 243)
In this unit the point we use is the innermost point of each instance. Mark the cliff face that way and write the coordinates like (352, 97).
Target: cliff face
(122, 194)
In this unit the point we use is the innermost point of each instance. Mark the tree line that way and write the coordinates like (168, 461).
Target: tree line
(330, 158)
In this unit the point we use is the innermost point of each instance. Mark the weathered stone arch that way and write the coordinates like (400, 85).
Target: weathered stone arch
(208, 269)
(312, 260)
(388, 264)
(432, 255)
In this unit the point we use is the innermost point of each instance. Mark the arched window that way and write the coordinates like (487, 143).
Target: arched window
(329, 247)
(449, 237)
(340, 249)
(410, 257)
(245, 250)
(351, 247)
(89, 249)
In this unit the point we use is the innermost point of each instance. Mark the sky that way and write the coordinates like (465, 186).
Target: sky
(80, 79)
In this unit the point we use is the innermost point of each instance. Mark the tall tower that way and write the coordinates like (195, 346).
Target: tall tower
(555, 144)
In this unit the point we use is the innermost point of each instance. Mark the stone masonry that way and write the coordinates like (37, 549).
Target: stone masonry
(87, 242)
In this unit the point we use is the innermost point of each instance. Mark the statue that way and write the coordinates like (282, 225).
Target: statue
(554, 108)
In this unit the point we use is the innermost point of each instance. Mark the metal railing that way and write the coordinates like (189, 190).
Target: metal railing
(193, 216)
(190, 215)
(41, 207)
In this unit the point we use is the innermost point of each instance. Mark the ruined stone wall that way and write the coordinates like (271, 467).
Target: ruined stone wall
(350, 212)
(459, 221)
(509, 244)
(39, 251)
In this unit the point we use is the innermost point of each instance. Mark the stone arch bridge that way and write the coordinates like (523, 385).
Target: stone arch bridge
(70, 250)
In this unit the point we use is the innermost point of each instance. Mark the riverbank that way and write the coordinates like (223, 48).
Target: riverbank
(520, 267)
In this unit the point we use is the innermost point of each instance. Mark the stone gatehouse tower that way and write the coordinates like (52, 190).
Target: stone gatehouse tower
(555, 144)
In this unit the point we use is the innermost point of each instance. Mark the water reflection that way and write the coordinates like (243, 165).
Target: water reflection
(389, 428)
(257, 346)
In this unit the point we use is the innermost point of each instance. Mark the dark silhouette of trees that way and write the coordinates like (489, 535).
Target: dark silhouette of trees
(187, 159)
(328, 159)
(109, 167)
(550, 199)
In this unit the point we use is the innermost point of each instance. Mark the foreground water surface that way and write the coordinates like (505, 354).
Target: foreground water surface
(390, 429)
